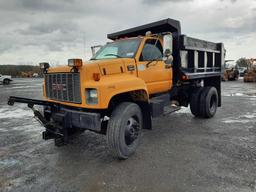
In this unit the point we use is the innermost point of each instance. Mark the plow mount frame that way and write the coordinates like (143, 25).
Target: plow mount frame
(52, 131)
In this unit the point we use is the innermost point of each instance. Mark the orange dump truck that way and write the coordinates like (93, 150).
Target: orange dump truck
(141, 74)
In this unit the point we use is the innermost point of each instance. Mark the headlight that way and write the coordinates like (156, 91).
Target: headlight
(91, 96)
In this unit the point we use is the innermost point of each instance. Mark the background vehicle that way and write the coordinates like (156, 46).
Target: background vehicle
(145, 72)
(250, 75)
(231, 73)
(242, 71)
(5, 79)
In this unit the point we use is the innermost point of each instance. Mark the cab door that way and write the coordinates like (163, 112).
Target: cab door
(151, 67)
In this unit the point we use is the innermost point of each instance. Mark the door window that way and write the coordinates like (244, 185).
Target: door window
(152, 50)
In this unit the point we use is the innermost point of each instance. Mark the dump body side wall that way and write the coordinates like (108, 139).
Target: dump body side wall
(199, 56)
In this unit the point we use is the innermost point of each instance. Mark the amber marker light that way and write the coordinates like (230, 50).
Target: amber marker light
(77, 63)
(96, 76)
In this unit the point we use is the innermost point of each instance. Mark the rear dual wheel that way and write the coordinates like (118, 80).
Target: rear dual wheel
(124, 130)
(204, 102)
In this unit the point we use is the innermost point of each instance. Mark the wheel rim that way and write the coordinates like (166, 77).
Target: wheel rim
(213, 103)
(132, 130)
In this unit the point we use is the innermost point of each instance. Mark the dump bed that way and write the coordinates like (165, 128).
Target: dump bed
(194, 57)
(199, 58)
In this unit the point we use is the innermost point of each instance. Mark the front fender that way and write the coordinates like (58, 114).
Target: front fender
(112, 85)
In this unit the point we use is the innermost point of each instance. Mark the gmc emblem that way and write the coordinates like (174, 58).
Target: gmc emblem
(58, 87)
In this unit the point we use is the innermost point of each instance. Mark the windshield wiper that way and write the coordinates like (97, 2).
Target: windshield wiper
(112, 54)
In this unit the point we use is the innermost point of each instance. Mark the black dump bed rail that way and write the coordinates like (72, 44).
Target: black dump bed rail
(193, 57)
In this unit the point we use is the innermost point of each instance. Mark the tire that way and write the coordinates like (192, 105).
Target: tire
(6, 82)
(208, 102)
(194, 101)
(124, 130)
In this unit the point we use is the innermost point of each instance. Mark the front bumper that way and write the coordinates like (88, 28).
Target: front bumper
(77, 119)
(60, 116)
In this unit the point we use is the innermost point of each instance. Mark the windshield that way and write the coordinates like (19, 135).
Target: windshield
(118, 49)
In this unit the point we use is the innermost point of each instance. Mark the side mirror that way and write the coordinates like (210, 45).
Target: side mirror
(167, 48)
(167, 44)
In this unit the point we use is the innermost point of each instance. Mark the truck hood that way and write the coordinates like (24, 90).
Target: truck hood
(104, 67)
(113, 66)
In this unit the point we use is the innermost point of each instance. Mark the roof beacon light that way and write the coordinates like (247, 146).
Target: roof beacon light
(77, 63)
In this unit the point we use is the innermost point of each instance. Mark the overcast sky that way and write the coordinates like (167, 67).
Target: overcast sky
(33, 31)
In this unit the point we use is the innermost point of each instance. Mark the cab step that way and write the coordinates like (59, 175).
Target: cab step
(161, 105)
(171, 109)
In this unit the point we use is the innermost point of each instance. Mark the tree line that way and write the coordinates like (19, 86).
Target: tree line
(19, 70)
(244, 62)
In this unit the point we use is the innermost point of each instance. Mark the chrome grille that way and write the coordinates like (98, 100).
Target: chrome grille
(63, 87)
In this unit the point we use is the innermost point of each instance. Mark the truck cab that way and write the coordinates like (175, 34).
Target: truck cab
(146, 55)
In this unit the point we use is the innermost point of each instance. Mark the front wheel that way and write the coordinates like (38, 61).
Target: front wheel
(124, 130)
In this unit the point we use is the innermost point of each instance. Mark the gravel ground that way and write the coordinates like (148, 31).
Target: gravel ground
(181, 153)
